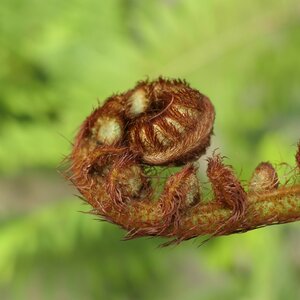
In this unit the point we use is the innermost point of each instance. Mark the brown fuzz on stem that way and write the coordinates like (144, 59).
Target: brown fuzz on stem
(168, 123)
(227, 189)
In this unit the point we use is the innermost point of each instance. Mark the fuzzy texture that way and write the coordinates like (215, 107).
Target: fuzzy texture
(168, 123)
(227, 190)
(176, 127)
(264, 178)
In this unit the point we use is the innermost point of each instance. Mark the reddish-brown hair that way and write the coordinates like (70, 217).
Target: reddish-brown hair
(164, 123)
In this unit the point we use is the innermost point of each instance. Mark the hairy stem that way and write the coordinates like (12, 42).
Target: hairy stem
(276, 207)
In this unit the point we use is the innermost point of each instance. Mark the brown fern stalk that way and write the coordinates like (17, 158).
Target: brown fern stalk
(167, 123)
(277, 207)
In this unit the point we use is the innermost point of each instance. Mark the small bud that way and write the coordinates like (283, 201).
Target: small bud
(130, 180)
(264, 178)
(127, 181)
(110, 130)
(227, 189)
(138, 103)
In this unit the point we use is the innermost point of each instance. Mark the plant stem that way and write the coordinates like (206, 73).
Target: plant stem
(276, 207)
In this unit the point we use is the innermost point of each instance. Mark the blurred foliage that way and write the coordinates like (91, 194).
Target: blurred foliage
(58, 57)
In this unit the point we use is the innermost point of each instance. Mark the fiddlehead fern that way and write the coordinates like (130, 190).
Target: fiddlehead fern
(167, 123)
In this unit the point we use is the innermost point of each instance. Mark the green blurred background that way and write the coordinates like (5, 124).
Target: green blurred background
(58, 58)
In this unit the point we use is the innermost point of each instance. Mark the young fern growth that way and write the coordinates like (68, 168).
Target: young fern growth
(167, 123)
